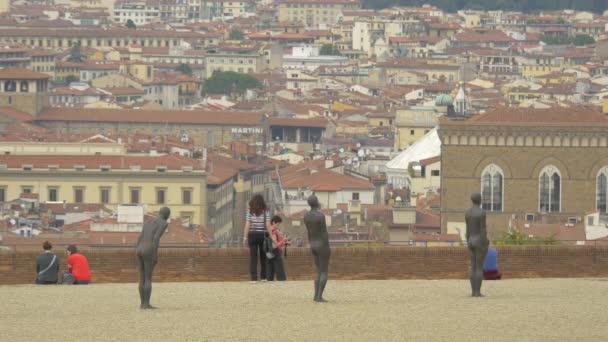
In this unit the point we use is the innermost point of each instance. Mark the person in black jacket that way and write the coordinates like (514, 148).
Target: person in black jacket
(47, 266)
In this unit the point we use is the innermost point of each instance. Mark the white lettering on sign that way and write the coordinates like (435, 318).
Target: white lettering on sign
(247, 130)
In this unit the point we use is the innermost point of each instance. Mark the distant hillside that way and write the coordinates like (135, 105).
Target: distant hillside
(597, 6)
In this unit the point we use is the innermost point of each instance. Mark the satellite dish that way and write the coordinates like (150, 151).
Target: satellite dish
(341, 150)
(349, 161)
(358, 145)
(361, 153)
(13, 222)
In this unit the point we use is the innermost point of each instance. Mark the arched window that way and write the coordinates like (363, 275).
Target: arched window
(602, 189)
(549, 189)
(10, 86)
(24, 87)
(492, 188)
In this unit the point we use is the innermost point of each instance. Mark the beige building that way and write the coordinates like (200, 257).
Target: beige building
(43, 61)
(5, 6)
(528, 164)
(63, 39)
(205, 128)
(412, 124)
(244, 58)
(434, 72)
(152, 181)
(23, 89)
(314, 13)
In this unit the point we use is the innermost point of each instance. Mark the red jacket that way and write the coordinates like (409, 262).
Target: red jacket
(79, 267)
(279, 238)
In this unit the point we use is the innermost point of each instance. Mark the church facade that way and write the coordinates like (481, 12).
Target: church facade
(530, 164)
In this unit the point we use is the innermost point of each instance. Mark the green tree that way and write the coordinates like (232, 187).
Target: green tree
(71, 78)
(76, 55)
(515, 237)
(184, 69)
(329, 50)
(130, 24)
(583, 39)
(236, 35)
(578, 40)
(226, 82)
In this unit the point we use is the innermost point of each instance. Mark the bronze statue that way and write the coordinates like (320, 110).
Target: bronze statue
(477, 241)
(319, 245)
(147, 254)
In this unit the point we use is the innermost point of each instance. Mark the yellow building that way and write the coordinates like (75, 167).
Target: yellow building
(142, 71)
(43, 61)
(5, 6)
(314, 12)
(244, 58)
(382, 119)
(539, 70)
(557, 78)
(152, 181)
(65, 70)
(229, 8)
(433, 70)
(412, 124)
(520, 94)
(349, 128)
(86, 3)
(472, 20)
(62, 39)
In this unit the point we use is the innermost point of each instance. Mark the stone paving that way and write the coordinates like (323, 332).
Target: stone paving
(399, 310)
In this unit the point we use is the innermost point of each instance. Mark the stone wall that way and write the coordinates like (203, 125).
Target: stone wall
(207, 264)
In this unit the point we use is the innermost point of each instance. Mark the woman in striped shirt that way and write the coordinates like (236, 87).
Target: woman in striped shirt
(257, 224)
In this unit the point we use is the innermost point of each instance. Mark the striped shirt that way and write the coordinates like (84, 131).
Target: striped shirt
(256, 223)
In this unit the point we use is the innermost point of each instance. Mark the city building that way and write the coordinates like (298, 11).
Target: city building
(314, 13)
(308, 58)
(531, 164)
(111, 180)
(138, 12)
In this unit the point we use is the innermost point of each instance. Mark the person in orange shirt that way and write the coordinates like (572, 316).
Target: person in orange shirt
(78, 266)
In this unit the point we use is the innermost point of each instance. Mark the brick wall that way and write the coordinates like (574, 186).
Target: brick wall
(204, 264)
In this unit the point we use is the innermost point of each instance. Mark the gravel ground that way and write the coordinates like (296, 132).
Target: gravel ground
(420, 310)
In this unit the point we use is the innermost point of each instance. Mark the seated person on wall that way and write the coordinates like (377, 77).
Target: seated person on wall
(490, 266)
(47, 266)
(78, 265)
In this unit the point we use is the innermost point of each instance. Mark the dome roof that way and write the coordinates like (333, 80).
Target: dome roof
(443, 100)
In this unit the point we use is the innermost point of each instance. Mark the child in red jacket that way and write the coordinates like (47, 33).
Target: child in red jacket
(275, 265)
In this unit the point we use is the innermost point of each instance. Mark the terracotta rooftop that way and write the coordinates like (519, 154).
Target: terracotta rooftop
(63, 208)
(429, 161)
(117, 91)
(293, 122)
(93, 33)
(15, 114)
(95, 162)
(577, 115)
(146, 116)
(22, 73)
(319, 1)
(322, 180)
(485, 37)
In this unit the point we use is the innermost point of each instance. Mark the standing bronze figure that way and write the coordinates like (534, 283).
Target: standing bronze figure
(319, 245)
(147, 254)
(477, 241)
